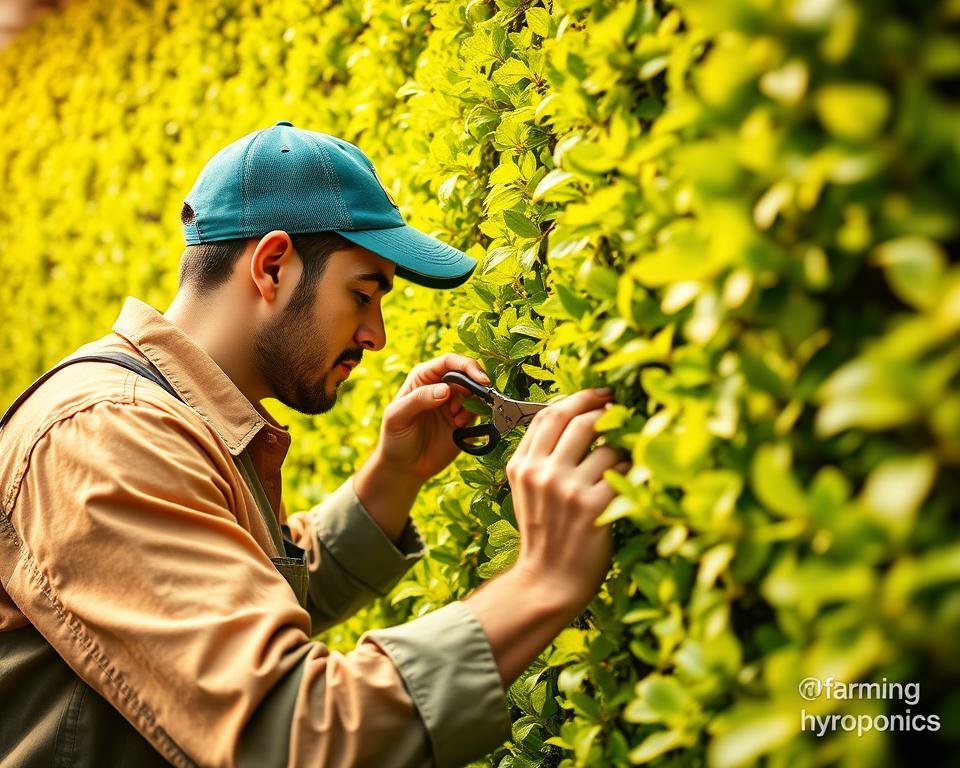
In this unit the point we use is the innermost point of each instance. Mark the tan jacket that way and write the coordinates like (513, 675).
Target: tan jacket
(131, 542)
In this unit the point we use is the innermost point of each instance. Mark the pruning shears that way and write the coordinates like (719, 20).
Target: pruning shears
(507, 414)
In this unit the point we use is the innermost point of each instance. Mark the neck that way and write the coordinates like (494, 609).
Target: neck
(221, 329)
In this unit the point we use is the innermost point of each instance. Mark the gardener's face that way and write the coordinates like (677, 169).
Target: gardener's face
(301, 352)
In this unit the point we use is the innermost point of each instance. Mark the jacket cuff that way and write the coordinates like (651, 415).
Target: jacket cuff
(447, 664)
(352, 537)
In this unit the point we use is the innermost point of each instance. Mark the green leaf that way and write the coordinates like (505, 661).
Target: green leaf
(600, 282)
(539, 698)
(540, 22)
(571, 644)
(588, 158)
(495, 257)
(714, 562)
(501, 198)
(523, 728)
(864, 392)
(613, 329)
(497, 564)
(502, 535)
(855, 111)
(914, 267)
(773, 482)
(512, 72)
(895, 490)
(583, 741)
(555, 179)
(788, 84)
(750, 731)
(505, 173)
(521, 224)
(657, 744)
(524, 348)
(447, 187)
(634, 353)
(407, 590)
(612, 418)
(585, 706)
(660, 699)
(711, 498)
(575, 305)
(541, 374)
(529, 329)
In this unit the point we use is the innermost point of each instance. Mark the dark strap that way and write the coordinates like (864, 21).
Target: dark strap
(285, 548)
(119, 358)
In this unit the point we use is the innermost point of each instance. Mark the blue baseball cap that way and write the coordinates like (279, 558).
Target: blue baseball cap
(306, 182)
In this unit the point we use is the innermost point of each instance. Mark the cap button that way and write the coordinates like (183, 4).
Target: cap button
(285, 122)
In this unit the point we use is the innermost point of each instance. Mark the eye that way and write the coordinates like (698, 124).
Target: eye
(362, 298)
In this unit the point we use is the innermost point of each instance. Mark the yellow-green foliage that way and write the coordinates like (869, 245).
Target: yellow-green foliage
(741, 214)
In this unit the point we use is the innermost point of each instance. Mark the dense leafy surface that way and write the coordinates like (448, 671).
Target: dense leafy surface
(742, 215)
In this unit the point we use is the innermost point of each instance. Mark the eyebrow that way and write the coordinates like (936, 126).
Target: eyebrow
(377, 277)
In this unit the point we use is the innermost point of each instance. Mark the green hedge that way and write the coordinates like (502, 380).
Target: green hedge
(740, 214)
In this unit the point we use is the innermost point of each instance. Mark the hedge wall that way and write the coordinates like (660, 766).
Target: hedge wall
(740, 214)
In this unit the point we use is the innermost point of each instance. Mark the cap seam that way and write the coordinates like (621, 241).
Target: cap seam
(244, 167)
(331, 173)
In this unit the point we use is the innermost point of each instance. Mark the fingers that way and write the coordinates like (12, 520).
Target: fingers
(432, 371)
(577, 438)
(598, 461)
(460, 416)
(403, 411)
(544, 431)
(603, 493)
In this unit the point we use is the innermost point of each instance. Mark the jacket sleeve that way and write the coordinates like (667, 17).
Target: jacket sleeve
(350, 559)
(128, 559)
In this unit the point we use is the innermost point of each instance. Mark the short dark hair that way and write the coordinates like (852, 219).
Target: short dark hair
(207, 266)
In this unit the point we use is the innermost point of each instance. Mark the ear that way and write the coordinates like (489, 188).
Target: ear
(275, 266)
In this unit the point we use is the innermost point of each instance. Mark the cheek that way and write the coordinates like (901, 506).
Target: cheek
(335, 328)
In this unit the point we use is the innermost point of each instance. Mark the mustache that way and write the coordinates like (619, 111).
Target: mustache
(350, 359)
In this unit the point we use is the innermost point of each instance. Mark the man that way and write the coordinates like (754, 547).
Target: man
(153, 611)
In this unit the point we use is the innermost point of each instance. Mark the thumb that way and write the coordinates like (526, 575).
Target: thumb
(406, 408)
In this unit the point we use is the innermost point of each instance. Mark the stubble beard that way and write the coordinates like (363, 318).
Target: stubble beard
(294, 374)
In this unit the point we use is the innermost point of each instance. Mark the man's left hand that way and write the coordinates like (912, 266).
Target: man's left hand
(416, 438)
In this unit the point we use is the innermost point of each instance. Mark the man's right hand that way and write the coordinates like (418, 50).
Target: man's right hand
(558, 492)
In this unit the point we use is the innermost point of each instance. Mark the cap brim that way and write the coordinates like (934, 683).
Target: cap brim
(419, 258)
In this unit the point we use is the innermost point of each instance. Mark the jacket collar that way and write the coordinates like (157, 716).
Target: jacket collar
(196, 377)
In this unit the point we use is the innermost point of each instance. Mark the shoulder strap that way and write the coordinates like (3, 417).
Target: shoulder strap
(243, 461)
(119, 358)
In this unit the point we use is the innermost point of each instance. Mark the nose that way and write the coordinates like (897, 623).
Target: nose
(372, 335)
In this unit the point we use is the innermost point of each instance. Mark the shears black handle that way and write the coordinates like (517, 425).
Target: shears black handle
(461, 435)
(455, 377)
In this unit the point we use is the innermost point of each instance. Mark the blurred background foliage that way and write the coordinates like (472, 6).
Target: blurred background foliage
(742, 215)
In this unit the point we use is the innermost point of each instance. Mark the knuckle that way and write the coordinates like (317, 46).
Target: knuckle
(588, 418)
(540, 478)
(548, 415)
(572, 494)
(522, 472)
